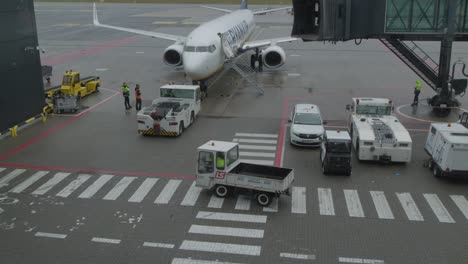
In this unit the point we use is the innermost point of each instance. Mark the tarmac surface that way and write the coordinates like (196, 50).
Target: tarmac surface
(87, 188)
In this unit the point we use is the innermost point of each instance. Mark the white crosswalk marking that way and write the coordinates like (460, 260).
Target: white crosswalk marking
(75, 184)
(256, 135)
(360, 260)
(256, 147)
(196, 261)
(10, 176)
(381, 205)
(259, 162)
(353, 203)
(410, 207)
(143, 190)
(191, 196)
(28, 182)
(298, 200)
(119, 188)
(243, 202)
(232, 217)
(58, 177)
(221, 248)
(158, 245)
(256, 141)
(273, 208)
(257, 154)
(461, 203)
(226, 231)
(168, 191)
(215, 202)
(326, 201)
(94, 188)
(438, 208)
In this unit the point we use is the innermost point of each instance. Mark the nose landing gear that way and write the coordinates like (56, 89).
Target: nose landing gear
(256, 57)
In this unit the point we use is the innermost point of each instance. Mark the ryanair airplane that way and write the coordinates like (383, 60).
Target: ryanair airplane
(209, 46)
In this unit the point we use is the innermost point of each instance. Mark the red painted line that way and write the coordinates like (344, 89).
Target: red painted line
(284, 117)
(61, 125)
(88, 51)
(96, 171)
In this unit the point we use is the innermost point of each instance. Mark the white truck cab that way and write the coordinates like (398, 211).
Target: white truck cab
(376, 132)
(171, 113)
(306, 125)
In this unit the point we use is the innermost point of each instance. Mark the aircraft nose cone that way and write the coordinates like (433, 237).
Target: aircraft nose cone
(194, 67)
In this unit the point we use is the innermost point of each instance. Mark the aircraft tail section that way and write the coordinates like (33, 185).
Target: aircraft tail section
(244, 4)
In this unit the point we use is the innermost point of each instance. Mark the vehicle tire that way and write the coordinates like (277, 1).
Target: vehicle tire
(264, 199)
(181, 128)
(348, 172)
(435, 171)
(252, 61)
(221, 191)
(192, 117)
(97, 88)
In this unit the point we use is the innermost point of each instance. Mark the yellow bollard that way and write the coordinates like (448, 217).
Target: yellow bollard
(44, 117)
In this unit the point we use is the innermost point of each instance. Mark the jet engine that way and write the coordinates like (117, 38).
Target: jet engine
(173, 55)
(273, 57)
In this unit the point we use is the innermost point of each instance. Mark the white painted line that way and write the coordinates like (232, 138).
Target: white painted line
(105, 240)
(58, 177)
(168, 191)
(461, 203)
(191, 196)
(101, 69)
(30, 181)
(259, 162)
(256, 135)
(235, 140)
(298, 200)
(10, 176)
(221, 248)
(50, 235)
(297, 256)
(243, 202)
(249, 218)
(256, 147)
(2, 169)
(295, 55)
(438, 208)
(353, 203)
(410, 207)
(119, 188)
(94, 188)
(326, 201)
(257, 141)
(75, 184)
(294, 74)
(143, 190)
(381, 205)
(226, 231)
(195, 261)
(215, 202)
(273, 208)
(158, 245)
(360, 260)
(256, 154)
(140, 52)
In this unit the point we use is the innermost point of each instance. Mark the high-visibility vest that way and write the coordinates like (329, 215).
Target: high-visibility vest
(219, 162)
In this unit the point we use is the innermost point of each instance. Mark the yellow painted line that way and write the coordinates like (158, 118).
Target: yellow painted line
(192, 23)
(165, 22)
(30, 120)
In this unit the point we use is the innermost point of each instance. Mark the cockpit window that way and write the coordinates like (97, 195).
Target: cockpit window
(189, 48)
(202, 49)
(210, 49)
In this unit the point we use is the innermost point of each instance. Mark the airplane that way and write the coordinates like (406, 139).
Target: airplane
(208, 47)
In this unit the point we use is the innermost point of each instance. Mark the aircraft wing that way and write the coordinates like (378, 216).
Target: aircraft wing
(266, 42)
(218, 9)
(271, 10)
(137, 31)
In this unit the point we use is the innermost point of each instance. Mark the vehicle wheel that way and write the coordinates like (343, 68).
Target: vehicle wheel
(435, 170)
(264, 199)
(348, 173)
(192, 117)
(181, 128)
(221, 191)
(252, 61)
(97, 88)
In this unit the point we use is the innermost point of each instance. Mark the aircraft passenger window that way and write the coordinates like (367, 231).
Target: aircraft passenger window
(212, 48)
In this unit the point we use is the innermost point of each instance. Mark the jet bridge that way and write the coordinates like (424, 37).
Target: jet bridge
(397, 24)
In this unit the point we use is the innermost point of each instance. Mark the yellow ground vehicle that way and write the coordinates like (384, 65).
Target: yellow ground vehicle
(73, 85)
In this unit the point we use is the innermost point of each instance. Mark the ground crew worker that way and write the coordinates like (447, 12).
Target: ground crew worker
(126, 95)
(220, 161)
(138, 97)
(417, 91)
